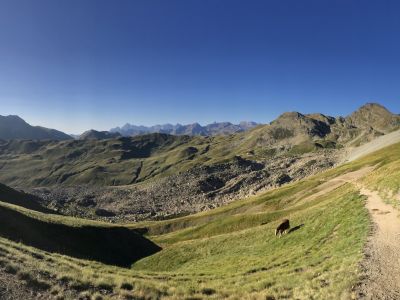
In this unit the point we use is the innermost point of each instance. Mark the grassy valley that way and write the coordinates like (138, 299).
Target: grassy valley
(160, 176)
(199, 150)
(228, 248)
(230, 252)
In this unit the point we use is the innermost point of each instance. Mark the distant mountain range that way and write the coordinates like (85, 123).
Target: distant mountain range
(367, 122)
(195, 129)
(13, 127)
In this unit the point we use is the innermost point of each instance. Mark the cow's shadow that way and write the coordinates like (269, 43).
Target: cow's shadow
(295, 228)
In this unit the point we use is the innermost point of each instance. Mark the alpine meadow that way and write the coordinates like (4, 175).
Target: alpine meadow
(155, 150)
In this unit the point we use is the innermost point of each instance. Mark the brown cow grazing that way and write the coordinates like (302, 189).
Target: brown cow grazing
(282, 228)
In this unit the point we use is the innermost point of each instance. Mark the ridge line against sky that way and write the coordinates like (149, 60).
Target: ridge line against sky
(204, 124)
(75, 65)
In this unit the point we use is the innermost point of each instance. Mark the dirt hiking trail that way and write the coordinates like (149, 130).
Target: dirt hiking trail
(381, 265)
(380, 268)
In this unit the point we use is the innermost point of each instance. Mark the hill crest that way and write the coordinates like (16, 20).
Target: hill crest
(14, 127)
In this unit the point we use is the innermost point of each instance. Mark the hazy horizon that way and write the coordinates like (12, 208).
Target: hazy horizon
(201, 123)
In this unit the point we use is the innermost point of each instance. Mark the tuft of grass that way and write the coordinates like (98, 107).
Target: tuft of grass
(208, 291)
(11, 268)
(127, 286)
(105, 286)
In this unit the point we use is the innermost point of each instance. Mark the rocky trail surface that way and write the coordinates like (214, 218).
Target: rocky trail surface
(381, 266)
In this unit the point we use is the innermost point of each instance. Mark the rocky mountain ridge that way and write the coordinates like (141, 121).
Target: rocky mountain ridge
(159, 175)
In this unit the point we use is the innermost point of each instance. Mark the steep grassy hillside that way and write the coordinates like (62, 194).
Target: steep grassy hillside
(82, 241)
(121, 161)
(235, 262)
(108, 162)
(230, 252)
(9, 195)
(386, 179)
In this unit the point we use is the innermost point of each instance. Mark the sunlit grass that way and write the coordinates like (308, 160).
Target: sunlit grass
(230, 252)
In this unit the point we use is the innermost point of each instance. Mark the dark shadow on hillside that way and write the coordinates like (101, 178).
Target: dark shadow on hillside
(295, 228)
(28, 201)
(110, 245)
(143, 146)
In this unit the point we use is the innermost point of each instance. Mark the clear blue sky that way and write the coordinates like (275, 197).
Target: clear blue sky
(80, 64)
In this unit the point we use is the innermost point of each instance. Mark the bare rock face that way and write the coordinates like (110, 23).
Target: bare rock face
(374, 116)
(298, 123)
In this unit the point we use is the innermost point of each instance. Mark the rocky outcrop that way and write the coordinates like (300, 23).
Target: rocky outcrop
(374, 117)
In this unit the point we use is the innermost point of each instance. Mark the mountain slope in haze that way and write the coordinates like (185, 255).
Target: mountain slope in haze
(195, 129)
(98, 135)
(13, 127)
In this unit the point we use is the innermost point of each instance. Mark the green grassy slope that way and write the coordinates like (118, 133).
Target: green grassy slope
(308, 262)
(109, 162)
(386, 179)
(124, 161)
(108, 244)
(231, 252)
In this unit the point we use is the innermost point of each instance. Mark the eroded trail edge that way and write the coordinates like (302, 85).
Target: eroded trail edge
(380, 268)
